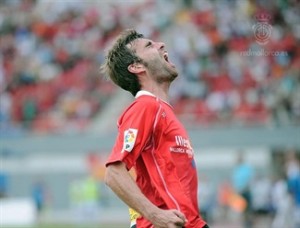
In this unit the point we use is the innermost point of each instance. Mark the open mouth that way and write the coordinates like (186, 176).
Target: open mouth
(166, 57)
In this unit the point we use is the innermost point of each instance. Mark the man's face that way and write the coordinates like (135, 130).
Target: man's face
(155, 59)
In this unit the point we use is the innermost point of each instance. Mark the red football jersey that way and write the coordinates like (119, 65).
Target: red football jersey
(155, 143)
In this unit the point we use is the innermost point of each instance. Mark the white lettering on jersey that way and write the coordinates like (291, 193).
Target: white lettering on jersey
(180, 141)
(129, 139)
(183, 146)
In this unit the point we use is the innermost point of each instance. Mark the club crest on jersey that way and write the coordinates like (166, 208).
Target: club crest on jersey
(129, 139)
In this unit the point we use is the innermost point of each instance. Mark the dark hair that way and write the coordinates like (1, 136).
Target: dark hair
(119, 57)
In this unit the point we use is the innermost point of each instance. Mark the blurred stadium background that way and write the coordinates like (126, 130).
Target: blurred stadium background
(58, 113)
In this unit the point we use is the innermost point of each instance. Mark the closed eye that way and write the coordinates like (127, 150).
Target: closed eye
(148, 44)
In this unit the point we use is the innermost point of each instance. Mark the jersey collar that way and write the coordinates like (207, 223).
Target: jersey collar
(144, 92)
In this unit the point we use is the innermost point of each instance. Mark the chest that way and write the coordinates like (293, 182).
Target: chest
(172, 137)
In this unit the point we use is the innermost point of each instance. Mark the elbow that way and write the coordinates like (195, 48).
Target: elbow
(113, 173)
(108, 176)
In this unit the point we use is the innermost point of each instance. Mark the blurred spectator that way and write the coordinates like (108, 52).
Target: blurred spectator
(242, 178)
(84, 199)
(224, 194)
(3, 184)
(282, 203)
(292, 167)
(39, 195)
(261, 195)
(206, 198)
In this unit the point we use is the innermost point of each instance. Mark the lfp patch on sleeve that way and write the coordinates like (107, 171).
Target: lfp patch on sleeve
(129, 139)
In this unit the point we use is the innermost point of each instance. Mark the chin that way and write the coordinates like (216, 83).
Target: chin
(174, 72)
(174, 75)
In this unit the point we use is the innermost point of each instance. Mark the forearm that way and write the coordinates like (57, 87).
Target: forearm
(120, 181)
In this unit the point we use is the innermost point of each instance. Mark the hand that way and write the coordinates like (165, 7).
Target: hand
(168, 219)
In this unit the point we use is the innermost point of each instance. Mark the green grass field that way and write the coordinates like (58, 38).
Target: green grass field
(57, 225)
(83, 226)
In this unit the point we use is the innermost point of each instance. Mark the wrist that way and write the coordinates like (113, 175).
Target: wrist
(151, 213)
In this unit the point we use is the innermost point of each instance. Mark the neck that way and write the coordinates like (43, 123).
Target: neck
(161, 91)
(158, 88)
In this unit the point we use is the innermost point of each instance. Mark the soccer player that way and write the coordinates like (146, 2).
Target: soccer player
(150, 139)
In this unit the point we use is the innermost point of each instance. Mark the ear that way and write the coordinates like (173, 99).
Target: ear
(136, 68)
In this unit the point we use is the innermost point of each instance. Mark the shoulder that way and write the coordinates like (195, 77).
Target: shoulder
(146, 103)
(146, 106)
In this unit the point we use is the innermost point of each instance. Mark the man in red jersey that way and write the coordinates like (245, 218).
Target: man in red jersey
(150, 139)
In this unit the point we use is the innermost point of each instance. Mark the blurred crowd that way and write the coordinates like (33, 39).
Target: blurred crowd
(51, 52)
(255, 198)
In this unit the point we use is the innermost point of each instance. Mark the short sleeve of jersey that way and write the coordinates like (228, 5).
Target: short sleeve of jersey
(135, 129)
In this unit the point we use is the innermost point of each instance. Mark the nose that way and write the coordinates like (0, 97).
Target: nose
(160, 45)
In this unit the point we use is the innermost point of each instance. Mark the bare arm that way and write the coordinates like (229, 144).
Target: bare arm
(120, 181)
